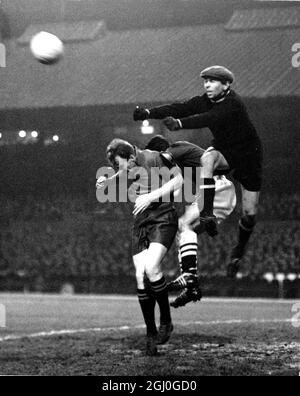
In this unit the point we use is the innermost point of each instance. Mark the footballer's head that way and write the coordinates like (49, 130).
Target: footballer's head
(217, 81)
(121, 154)
(158, 143)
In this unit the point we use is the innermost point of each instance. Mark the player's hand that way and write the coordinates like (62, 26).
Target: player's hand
(101, 182)
(142, 203)
(140, 114)
(172, 123)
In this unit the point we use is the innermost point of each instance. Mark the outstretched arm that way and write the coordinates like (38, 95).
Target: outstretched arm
(216, 115)
(187, 108)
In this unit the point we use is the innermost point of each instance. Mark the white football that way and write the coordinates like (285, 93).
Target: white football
(46, 48)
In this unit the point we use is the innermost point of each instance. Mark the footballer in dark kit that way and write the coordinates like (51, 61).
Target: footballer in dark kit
(153, 233)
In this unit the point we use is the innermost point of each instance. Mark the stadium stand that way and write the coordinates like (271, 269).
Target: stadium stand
(52, 229)
(119, 15)
(71, 238)
(126, 70)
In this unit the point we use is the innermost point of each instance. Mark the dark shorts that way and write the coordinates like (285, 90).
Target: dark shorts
(158, 225)
(247, 165)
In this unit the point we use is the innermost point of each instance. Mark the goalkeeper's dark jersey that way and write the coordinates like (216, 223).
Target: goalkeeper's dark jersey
(234, 134)
(228, 119)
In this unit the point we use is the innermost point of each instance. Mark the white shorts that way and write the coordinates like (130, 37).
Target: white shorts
(224, 203)
(225, 198)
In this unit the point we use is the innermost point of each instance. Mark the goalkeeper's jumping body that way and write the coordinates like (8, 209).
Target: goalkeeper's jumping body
(236, 146)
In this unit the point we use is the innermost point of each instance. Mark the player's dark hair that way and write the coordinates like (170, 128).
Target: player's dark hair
(119, 147)
(158, 143)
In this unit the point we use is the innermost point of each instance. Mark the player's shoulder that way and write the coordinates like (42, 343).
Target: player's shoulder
(183, 143)
(181, 147)
(232, 103)
(148, 158)
(198, 100)
(234, 98)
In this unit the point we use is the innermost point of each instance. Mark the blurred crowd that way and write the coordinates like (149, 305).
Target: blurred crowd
(274, 248)
(76, 239)
(280, 206)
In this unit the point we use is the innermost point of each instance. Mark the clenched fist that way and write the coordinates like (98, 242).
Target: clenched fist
(172, 123)
(140, 114)
(101, 182)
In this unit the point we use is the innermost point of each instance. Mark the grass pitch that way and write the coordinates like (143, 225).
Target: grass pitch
(104, 336)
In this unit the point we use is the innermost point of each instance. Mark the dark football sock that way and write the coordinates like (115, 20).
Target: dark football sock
(162, 297)
(147, 303)
(209, 190)
(188, 254)
(246, 227)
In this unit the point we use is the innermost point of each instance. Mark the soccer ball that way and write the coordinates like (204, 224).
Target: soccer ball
(46, 48)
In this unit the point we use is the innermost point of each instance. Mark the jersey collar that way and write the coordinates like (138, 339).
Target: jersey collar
(221, 97)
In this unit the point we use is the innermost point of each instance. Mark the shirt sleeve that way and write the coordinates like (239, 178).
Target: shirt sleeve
(219, 114)
(195, 105)
(167, 159)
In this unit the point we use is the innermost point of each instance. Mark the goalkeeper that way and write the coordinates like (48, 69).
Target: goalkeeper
(236, 146)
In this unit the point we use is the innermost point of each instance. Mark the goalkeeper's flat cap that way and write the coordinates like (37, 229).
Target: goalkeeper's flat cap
(219, 73)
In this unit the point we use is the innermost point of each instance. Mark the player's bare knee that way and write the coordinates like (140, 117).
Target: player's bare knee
(250, 211)
(153, 272)
(250, 203)
(140, 279)
(208, 163)
(209, 159)
(183, 226)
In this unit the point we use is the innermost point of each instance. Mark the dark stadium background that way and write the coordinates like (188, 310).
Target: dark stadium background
(54, 235)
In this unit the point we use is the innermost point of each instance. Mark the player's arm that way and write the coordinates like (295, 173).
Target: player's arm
(217, 115)
(172, 186)
(169, 187)
(104, 181)
(177, 110)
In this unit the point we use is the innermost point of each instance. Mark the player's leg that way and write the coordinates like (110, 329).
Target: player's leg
(247, 224)
(188, 246)
(146, 300)
(248, 172)
(187, 243)
(224, 204)
(155, 254)
(211, 160)
(161, 230)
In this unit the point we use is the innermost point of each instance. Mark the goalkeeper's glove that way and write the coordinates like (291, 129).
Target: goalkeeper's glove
(173, 124)
(140, 114)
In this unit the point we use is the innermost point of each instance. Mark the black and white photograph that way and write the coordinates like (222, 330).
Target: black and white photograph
(149, 191)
